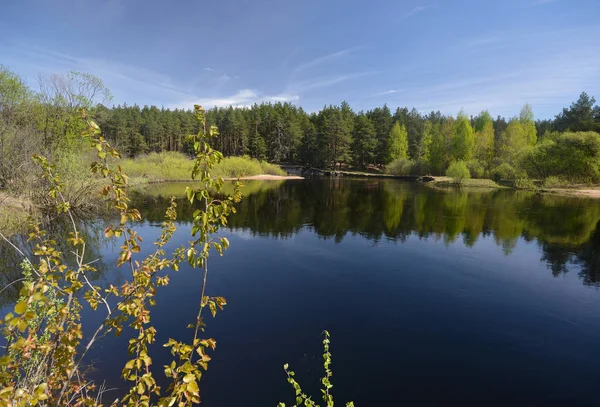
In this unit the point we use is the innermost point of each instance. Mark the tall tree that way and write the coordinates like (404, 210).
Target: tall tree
(463, 140)
(398, 143)
(382, 121)
(484, 139)
(365, 141)
(527, 121)
(581, 116)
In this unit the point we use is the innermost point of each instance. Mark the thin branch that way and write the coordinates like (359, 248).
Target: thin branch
(14, 282)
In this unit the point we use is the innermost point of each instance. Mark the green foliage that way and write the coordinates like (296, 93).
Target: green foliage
(364, 141)
(463, 139)
(398, 143)
(46, 123)
(518, 136)
(437, 141)
(381, 117)
(301, 397)
(572, 156)
(177, 166)
(257, 147)
(271, 169)
(582, 115)
(45, 346)
(553, 182)
(402, 166)
(458, 171)
(476, 169)
(504, 172)
(484, 140)
(166, 165)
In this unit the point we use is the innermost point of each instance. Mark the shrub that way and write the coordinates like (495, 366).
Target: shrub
(571, 156)
(401, 166)
(235, 167)
(553, 182)
(178, 166)
(458, 171)
(167, 165)
(504, 171)
(524, 183)
(271, 169)
(420, 167)
(476, 169)
(44, 352)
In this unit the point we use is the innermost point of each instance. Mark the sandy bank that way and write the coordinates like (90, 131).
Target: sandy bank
(586, 193)
(265, 177)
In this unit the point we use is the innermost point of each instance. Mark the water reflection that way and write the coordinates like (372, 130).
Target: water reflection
(565, 228)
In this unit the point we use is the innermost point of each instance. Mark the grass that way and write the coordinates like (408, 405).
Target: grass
(171, 166)
(13, 214)
(469, 183)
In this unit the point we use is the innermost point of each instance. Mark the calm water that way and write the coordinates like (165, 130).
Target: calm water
(431, 297)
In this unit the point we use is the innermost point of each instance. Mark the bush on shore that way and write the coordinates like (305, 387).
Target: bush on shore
(400, 166)
(458, 171)
(178, 166)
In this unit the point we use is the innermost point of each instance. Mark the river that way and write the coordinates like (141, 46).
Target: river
(432, 297)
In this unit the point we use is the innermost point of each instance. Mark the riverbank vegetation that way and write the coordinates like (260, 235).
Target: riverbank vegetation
(44, 358)
(400, 142)
(174, 166)
(517, 151)
(46, 121)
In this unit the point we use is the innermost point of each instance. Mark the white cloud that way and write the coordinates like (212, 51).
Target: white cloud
(323, 59)
(387, 92)
(224, 78)
(552, 80)
(542, 2)
(418, 10)
(283, 98)
(323, 82)
(109, 71)
(208, 69)
(243, 98)
(484, 41)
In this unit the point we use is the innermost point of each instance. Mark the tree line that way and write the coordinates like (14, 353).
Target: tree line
(405, 141)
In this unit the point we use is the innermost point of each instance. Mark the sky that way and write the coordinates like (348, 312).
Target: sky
(432, 55)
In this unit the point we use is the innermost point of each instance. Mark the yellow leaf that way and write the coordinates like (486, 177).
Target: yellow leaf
(20, 307)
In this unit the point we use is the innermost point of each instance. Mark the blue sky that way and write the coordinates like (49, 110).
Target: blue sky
(434, 55)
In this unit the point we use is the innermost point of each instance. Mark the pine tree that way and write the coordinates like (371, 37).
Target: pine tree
(365, 141)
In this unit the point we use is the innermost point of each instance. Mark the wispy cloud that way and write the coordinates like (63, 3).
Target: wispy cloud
(547, 82)
(224, 78)
(417, 10)
(108, 70)
(485, 41)
(542, 2)
(284, 97)
(208, 69)
(387, 92)
(324, 59)
(242, 98)
(324, 82)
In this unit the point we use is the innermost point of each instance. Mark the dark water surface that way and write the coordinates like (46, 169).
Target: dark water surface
(431, 297)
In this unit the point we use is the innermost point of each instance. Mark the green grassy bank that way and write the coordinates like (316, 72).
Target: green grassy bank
(171, 166)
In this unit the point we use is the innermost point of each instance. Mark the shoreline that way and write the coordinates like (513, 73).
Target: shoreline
(262, 177)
